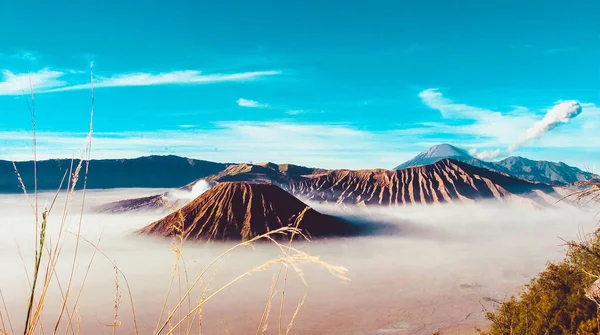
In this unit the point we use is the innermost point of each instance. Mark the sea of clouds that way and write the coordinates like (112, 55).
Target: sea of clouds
(431, 267)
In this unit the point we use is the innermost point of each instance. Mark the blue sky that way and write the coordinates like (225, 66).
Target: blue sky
(334, 84)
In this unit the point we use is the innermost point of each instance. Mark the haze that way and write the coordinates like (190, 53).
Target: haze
(428, 268)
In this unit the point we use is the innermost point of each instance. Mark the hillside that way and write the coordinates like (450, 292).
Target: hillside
(444, 181)
(150, 171)
(243, 210)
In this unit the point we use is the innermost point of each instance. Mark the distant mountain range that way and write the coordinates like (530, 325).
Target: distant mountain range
(536, 171)
(179, 172)
(444, 181)
(151, 171)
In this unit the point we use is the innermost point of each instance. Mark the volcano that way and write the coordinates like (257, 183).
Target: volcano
(435, 154)
(553, 173)
(244, 210)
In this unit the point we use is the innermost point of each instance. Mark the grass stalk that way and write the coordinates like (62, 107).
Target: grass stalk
(38, 259)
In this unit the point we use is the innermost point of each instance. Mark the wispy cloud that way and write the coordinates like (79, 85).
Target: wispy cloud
(322, 145)
(294, 112)
(480, 122)
(168, 78)
(16, 84)
(250, 103)
(47, 80)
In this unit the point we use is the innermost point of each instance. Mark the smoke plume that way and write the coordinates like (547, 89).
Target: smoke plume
(196, 190)
(561, 113)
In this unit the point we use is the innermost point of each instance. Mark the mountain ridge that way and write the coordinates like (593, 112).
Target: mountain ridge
(444, 181)
(516, 166)
(147, 172)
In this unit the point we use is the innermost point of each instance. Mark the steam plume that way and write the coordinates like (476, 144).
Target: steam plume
(561, 113)
(197, 189)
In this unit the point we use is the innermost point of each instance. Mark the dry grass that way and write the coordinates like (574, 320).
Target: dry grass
(589, 193)
(178, 318)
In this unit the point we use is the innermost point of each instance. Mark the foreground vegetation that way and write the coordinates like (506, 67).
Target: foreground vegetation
(562, 298)
(191, 292)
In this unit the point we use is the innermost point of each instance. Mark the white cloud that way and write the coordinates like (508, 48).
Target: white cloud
(320, 145)
(328, 146)
(168, 78)
(485, 154)
(512, 129)
(46, 80)
(294, 112)
(478, 122)
(250, 103)
(21, 83)
(433, 98)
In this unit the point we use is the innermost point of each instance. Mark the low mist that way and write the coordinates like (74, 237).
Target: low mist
(426, 268)
(195, 191)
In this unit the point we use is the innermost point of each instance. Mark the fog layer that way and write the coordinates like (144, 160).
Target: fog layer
(430, 268)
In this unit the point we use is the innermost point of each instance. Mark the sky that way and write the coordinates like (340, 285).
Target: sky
(333, 84)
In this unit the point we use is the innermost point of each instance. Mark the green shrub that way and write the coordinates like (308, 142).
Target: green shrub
(554, 302)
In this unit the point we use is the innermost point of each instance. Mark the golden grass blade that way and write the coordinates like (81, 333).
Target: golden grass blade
(187, 287)
(267, 312)
(282, 230)
(275, 281)
(7, 314)
(24, 264)
(300, 304)
(304, 258)
(165, 302)
(22, 186)
(135, 324)
(57, 193)
(178, 237)
(50, 268)
(76, 303)
(87, 150)
(29, 323)
(262, 324)
(35, 180)
(202, 297)
(3, 329)
(287, 269)
(116, 322)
